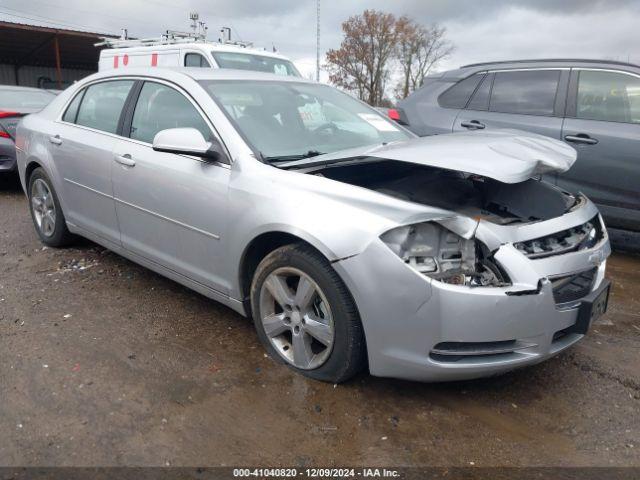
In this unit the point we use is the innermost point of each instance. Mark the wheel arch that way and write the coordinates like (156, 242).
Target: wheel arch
(261, 246)
(32, 164)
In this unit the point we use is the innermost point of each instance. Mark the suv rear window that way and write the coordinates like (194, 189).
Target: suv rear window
(527, 92)
(458, 95)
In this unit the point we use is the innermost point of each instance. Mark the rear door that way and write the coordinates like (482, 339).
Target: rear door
(172, 209)
(82, 146)
(531, 100)
(603, 124)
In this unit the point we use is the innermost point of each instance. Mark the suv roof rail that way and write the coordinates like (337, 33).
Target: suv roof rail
(543, 60)
(171, 37)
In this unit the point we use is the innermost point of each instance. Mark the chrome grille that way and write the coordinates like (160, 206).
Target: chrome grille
(577, 238)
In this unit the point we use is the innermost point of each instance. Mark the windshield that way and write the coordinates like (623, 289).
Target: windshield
(257, 63)
(287, 119)
(16, 99)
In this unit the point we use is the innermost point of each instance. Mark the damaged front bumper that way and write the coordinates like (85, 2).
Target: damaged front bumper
(418, 328)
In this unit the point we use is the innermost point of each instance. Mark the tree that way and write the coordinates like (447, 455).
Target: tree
(377, 47)
(361, 64)
(419, 49)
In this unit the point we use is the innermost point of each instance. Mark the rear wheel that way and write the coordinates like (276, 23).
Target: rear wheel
(305, 316)
(46, 213)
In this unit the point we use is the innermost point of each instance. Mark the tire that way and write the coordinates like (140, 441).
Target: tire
(331, 309)
(51, 233)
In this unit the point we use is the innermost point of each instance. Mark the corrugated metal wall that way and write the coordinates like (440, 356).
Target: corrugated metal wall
(28, 75)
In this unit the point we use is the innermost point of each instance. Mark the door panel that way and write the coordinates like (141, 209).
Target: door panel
(608, 172)
(603, 124)
(172, 209)
(82, 148)
(84, 160)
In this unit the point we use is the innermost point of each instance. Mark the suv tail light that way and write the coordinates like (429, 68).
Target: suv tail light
(397, 115)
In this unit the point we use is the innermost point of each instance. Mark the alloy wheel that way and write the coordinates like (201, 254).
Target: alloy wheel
(297, 318)
(43, 207)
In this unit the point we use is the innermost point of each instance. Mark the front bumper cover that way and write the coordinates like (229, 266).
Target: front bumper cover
(405, 314)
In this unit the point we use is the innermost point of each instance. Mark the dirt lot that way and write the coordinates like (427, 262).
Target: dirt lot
(103, 362)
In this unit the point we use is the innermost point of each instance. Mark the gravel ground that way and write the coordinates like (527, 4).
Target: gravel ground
(103, 362)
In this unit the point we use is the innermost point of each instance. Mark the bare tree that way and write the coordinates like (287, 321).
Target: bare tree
(362, 63)
(419, 49)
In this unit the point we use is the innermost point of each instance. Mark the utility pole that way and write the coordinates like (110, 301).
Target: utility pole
(317, 40)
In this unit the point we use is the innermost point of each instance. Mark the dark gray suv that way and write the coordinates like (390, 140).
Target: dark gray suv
(592, 105)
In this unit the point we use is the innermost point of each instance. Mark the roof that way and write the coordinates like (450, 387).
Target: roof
(33, 44)
(551, 60)
(197, 74)
(218, 47)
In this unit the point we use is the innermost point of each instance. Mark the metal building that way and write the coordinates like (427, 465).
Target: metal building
(46, 57)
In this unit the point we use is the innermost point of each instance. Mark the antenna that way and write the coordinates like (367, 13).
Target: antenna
(317, 40)
(194, 16)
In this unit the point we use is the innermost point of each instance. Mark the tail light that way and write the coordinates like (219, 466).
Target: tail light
(393, 114)
(8, 123)
(397, 115)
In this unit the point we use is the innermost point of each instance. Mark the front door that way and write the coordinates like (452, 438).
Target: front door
(604, 127)
(172, 209)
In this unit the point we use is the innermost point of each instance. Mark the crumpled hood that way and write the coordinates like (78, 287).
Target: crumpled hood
(509, 156)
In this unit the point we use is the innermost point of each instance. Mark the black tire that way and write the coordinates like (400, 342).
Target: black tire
(348, 354)
(61, 236)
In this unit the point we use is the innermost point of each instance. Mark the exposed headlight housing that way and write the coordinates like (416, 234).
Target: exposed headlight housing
(443, 255)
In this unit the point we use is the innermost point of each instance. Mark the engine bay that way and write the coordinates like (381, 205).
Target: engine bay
(469, 195)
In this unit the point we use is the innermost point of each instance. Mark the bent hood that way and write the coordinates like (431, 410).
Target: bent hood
(509, 156)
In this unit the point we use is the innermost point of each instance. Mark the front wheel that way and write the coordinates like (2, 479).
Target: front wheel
(305, 316)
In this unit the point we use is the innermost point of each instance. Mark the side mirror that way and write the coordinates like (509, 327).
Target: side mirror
(188, 141)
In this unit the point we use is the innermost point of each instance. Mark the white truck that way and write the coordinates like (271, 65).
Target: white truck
(175, 49)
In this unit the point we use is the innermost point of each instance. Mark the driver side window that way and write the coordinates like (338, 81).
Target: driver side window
(160, 107)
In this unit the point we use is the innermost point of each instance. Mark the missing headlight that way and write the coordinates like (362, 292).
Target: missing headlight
(438, 253)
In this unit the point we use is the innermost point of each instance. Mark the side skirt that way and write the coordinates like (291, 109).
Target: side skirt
(208, 292)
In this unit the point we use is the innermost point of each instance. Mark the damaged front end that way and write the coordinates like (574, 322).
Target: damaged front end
(445, 256)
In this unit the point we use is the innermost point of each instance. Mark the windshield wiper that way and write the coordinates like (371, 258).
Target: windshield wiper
(292, 158)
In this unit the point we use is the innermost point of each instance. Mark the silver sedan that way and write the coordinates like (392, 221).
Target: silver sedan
(351, 243)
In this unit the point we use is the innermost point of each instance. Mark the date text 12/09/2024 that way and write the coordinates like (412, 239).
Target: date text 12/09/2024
(316, 472)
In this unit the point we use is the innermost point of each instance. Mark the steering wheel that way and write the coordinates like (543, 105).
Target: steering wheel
(328, 126)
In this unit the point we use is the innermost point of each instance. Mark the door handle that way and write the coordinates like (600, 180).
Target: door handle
(581, 138)
(126, 160)
(55, 139)
(473, 125)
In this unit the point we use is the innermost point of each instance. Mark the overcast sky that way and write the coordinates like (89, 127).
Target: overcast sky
(480, 29)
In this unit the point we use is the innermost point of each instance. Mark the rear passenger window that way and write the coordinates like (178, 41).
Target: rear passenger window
(458, 95)
(102, 104)
(608, 96)
(159, 108)
(529, 92)
(195, 60)
(72, 109)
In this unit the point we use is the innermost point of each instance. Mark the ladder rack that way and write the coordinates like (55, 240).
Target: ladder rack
(169, 38)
